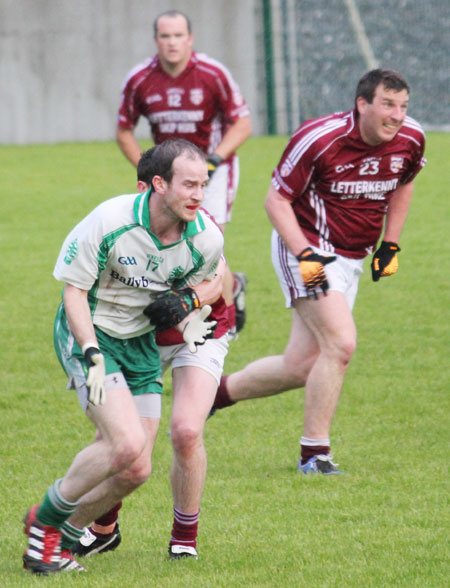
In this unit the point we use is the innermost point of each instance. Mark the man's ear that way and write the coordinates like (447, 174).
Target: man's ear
(361, 104)
(159, 184)
(142, 186)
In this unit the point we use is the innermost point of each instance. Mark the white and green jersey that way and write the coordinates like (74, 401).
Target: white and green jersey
(113, 255)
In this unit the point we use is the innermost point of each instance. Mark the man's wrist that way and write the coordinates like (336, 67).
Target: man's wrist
(215, 158)
(86, 346)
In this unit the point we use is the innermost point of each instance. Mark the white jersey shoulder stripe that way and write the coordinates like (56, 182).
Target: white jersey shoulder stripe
(411, 123)
(305, 143)
(151, 61)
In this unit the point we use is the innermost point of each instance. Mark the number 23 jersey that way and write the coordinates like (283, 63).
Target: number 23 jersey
(339, 186)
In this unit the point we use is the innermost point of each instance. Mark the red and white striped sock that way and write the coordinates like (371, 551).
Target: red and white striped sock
(184, 530)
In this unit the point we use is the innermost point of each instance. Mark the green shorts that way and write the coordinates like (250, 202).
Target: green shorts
(136, 358)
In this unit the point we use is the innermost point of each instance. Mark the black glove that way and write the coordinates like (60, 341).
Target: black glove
(385, 262)
(170, 307)
(214, 161)
(312, 272)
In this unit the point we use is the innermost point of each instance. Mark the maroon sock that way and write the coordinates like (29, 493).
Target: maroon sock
(308, 451)
(222, 398)
(110, 517)
(185, 527)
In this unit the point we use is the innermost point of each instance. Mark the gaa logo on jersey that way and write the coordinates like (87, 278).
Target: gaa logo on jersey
(396, 164)
(196, 96)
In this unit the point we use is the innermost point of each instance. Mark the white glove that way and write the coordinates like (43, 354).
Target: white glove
(197, 330)
(96, 375)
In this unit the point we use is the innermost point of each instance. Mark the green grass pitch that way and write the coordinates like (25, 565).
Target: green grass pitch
(385, 523)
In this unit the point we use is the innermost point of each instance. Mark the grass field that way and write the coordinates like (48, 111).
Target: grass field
(385, 523)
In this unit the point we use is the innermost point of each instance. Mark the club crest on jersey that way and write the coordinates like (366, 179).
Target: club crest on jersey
(196, 96)
(286, 168)
(396, 164)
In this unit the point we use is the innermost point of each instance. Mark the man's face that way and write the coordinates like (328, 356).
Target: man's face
(381, 120)
(184, 195)
(173, 40)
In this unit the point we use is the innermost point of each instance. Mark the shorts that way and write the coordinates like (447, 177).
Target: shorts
(130, 363)
(342, 275)
(221, 191)
(209, 357)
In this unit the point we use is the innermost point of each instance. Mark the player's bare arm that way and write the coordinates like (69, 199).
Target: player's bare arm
(397, 212)
(281, 215)
(234, 137)
(209, 291)
(128, 145)
(79, 315)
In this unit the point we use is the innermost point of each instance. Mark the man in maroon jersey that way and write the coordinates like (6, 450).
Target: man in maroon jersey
(340, 178)
(188, 95)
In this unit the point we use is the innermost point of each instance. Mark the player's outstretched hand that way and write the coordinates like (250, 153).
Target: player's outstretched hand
(385, 261)
(96, 375)
(197, 330)
(311, 267)
(170, 307)
(213, 162)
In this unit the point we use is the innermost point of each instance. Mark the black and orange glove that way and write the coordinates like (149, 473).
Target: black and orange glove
(213, 162)
(170, 307)
(385, 261)
(311, 267)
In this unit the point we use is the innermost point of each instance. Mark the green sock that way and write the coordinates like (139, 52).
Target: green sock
(54, 510)
(70, 535)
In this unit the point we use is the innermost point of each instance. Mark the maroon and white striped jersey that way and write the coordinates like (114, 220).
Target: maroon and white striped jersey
(339, 186)
(198, 105)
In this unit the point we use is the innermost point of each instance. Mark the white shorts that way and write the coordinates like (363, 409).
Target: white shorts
(221, 191)
(342, 274)
(148, 405)
(209, 357)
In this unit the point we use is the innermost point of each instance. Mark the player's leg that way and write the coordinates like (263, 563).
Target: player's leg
(331, 322)
(121, 444)
(193, 393)
(272, 374)
(107, 497)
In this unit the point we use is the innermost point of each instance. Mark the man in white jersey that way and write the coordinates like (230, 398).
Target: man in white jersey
(186, 94)
(341, 180)
(114, 264)
(195, 378)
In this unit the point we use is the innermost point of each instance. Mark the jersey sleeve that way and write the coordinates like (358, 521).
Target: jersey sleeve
(129, 109)
(418, 161)
(231, 101)
(81, 259)
(294, 171)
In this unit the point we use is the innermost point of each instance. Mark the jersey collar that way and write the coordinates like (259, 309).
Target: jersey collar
(142, 215)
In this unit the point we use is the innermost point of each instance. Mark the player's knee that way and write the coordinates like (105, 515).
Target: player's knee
(185, 438)
(127, 450)
(137, 474)
(343, 349)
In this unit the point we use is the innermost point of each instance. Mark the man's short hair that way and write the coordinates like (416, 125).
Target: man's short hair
(390, 79)
(172, 14)
(158, 161)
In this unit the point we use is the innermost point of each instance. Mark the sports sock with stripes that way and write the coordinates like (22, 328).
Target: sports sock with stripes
(54, 509)
(70, 535)
(185, 527)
